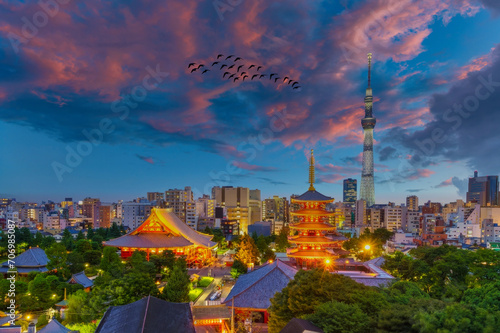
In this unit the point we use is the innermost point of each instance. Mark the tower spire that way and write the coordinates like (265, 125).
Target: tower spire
(369, 70)
(311, 171)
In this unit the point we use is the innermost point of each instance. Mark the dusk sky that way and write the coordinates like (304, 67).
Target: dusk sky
(119, 71)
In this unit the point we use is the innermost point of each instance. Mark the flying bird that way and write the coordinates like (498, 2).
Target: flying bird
(251, 66)
(194, 69)
(206, 70)
(225, 73)
(297, 87)
(286, 78)
(191, 64)
(230, 76)
(232, 55)
(262, 75)
(296, 82)
(243, 73)
(290, 81)
(244, 76)
(236, 78)
(254, 76)
(215, 63)
(221, 67)
(258, 68)
(235, 60)
(220, 55)
(271, 76)
(239, 67)
(231, 66)
(276, 79)
(201, 65)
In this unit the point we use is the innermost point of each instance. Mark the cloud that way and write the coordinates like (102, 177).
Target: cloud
(445, 183)
(461, 185)
(252, 167)
(416, 190)
(387, 153)
(146, 159)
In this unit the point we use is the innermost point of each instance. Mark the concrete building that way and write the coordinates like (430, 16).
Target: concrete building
(412, 203)
(155, 196)
(183, 205)
(360, 215)
(276, 209)
(394, 217)
(483, 190)
(51, 221)
(134, 213)
(205, 207)
(90, 209)
(412, 223)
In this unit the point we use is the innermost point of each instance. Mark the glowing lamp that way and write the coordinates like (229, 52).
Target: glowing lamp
(327, 261)
(367, 247)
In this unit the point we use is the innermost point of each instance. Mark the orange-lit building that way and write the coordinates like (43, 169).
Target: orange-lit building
(162, 231)
(314, 239)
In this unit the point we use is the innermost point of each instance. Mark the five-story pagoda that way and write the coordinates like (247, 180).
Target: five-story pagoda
(312, 240)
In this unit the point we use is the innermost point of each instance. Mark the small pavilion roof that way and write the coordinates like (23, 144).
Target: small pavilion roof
(33, 257)
(55, 327)
(148, 315)
(313, 195)
(162, 229)
(255, 289)
(82, 279)
(312, 226)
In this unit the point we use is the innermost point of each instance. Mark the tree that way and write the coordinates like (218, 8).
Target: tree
(90, 234)
(282, 242)
(111, 262)
(67, 240)
(76, 262)
(338, 317)
(138, 263)
(247, 251)
(178, 284)
(78, 311)
(93, 257)
(57, 256)
(80, 236)
(238, 268)
(83, 246)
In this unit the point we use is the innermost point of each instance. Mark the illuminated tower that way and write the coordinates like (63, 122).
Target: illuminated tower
(368, 123)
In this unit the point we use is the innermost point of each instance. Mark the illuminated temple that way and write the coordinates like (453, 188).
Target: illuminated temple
(315, 241)
(162, 231)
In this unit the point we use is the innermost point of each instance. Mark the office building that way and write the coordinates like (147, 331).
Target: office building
(483, 190)
(350, 191)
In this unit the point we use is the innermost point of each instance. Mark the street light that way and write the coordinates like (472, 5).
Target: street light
(367, 247)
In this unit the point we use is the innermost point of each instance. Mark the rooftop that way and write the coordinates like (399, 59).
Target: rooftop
(55, 327)
(82, 279)
(312, 195)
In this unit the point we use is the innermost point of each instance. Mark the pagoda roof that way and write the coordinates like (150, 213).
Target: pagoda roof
(81, 279)
(311, 239)
(162, 229)
(310, 254)
(312, 226)
(55, 327)
(309, 211)
(255, 289)
(148, 315)
(313, 195)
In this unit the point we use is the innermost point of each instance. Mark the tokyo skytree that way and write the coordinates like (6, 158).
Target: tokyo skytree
(368, 123)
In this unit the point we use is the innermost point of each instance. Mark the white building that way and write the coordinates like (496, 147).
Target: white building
(134, 213)
(51, 221)
(412, 222)
(394, 217)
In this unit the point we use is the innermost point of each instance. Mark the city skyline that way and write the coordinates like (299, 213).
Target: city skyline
(185, 130)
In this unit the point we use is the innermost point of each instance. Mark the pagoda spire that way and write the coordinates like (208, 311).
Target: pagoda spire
(311, 172)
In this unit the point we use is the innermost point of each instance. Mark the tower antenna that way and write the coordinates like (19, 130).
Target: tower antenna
(311, 171)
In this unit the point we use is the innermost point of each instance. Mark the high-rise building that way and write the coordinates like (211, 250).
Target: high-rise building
(350, 190)
(205, 207)
(90, 209)
(394, 217)
(368, 123)
(360, 215)
(483, 190)
(412, 203)
(155, 196)
(133, 214)
(276, 209)
(182, 204)
(105, 215)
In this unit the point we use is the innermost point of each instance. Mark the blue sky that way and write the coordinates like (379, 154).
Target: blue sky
(81, 68)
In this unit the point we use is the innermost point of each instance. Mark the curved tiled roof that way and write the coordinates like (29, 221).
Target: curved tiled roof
(317, 212)
(255, 289)
(33, 257)
(312, 195)
(81, 279)
(311, 239)
(313, 254)
(55, 327)
(312, 226)
(177, 234)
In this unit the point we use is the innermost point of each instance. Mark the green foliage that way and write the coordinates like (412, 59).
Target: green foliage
(138, 263)
(75, 262)
(42, 321)
(205, 281)
(238, 268)
(83, 246)
(282, 242)
(111, 262)
(376, 240)
(247, 252)
(57, 256)
(92, 257)
(67, 240)
(178, 284)
(338, 317)
(78, 311)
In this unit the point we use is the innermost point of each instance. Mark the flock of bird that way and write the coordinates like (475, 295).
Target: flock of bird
(232, 68)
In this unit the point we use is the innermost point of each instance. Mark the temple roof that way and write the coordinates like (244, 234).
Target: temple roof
(311, 239)
(311, 254)
(309, 211)
(312, 195)
(81, 279)
(312, 226)
(55, 327)
(31, 260)
(255, 289)
(162, 229)
(148, 315)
